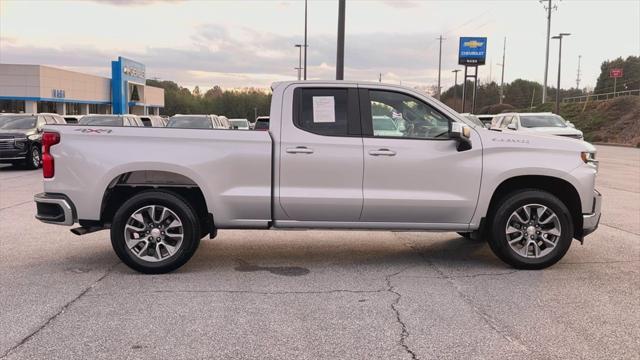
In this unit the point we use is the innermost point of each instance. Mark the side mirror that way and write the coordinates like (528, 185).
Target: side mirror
(570, 124)
(462, 134)
(512, 127)
(40, 129)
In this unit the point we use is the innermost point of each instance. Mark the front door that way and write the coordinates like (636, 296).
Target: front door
(321, 161)
(413, 172)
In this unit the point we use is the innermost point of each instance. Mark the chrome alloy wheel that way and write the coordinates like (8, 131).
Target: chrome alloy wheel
(154, 233)
(533, 231)
(35, 157)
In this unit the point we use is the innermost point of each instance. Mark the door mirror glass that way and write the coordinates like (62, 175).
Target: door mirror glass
(462, 134)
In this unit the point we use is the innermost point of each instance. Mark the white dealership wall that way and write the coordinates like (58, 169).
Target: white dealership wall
(40, 86)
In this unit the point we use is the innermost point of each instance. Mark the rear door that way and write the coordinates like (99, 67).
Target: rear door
(415, 175)
(321, 162)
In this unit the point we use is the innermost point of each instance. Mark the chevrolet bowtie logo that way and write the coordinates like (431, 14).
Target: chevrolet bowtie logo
(473, 44)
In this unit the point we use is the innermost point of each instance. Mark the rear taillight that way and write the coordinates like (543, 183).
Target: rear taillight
(48, 140)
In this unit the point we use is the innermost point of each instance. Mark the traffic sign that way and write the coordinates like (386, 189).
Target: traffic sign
(616, 73)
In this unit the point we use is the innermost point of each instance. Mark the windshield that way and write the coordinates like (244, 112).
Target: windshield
(239, 123)
(533, 121)
(17, 122)
(101, 120)
(190, 122)
(383, 123)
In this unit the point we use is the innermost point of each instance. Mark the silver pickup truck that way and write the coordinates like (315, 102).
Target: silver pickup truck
(338, 155)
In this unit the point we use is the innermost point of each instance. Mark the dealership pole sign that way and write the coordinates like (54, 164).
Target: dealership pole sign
(123, 72)
(471, 53)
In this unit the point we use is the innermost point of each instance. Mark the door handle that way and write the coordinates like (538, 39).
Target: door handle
(300, 150)
(382, 152)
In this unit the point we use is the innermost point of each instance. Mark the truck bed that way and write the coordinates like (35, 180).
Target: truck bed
(232, 168)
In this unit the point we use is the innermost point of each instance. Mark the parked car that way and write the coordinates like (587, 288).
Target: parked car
(110, 120)
(72, 119)
(475, 119)
(322, 166)
(486, 119)
(21, 137)
(153, 121)
(546, 123)
(239, 124)
(223, 122)
(385, 126)
(196, 122)
(262, 123)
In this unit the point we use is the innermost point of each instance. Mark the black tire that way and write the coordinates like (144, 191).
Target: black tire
(172, 201)
(498, 221)
(34, 157)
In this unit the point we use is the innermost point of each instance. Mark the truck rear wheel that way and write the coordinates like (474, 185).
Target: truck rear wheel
(531, 229)
(155, 232)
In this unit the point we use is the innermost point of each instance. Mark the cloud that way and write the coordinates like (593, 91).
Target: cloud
(402, 4)
(244, 57)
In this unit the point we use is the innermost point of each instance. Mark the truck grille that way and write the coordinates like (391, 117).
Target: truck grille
(6, 144)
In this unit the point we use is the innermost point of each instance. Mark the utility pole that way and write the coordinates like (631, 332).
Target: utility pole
(547, 7)
(299, 68)
(440, 38)
(504, 49)
(578, 75)
(455, 83)
(305, 40)
(559, 37)
(533, 95)
(380, 77)
(340, 50)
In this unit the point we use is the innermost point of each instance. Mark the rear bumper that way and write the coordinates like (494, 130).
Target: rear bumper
(591, 221)
(54, 209)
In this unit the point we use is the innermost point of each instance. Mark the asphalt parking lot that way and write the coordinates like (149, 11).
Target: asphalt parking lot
(321, 294)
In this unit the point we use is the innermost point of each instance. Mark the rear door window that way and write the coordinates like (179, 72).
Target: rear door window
(326, 111)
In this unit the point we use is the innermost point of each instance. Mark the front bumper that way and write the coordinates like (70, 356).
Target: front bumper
(54, 209)
(590, 221)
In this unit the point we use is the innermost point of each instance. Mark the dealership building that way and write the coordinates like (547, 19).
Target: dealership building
(40, 88)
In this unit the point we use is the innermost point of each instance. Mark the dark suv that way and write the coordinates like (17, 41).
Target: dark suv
(20, 136)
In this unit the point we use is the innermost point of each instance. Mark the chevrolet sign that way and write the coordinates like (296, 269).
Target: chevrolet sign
(473, 51)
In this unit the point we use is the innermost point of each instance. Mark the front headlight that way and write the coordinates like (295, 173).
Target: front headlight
(589, 157)
(21, 143)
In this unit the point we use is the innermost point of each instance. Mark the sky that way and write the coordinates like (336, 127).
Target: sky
(240, 43)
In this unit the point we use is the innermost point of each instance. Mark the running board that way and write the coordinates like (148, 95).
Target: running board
(82, 230)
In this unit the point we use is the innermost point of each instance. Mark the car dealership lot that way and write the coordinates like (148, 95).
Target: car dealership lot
(321, 294)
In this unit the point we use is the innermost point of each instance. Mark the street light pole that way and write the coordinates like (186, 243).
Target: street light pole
(559, 37)
(299, 68)
(455, 84)
(305, 39)
(340, 50)
(504, 49)
(440, 38)
(549, 7)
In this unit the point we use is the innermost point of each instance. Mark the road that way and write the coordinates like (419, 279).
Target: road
(321, 294)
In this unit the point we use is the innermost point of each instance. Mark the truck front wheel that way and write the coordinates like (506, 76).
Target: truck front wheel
(155, 232)
(531, 229)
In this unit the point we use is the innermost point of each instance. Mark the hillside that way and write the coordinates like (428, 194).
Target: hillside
(615, 121)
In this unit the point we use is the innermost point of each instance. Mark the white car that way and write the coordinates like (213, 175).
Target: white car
(110, 120)
(385, 126)
(240, 124)
(197, 122)
(546, 123)
(153, 121)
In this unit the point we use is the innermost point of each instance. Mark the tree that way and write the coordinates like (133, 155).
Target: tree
(630, 79)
